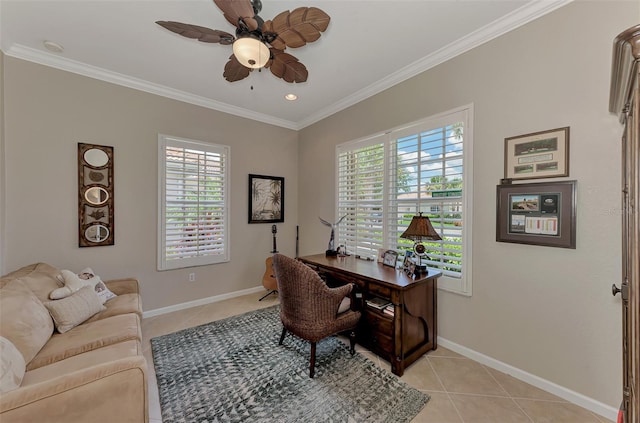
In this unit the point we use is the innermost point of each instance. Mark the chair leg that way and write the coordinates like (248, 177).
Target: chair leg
(312, 365)
(352, 342)
(284, 333)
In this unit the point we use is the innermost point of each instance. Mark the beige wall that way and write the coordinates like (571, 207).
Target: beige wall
(50, 111)
(2, 176)
(547, 311)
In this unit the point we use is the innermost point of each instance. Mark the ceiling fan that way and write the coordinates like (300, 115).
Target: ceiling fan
(260, 43)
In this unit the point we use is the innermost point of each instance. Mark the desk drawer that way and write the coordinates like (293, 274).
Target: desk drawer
(378, 324)
(379, 290)
(382, 343)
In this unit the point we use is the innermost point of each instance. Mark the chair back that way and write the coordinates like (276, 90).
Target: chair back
(302, 293)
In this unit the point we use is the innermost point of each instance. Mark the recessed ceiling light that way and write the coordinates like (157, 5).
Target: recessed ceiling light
(291, 97)
(53, 47)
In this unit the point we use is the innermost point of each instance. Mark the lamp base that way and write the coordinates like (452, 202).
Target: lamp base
(331, 253)
(421, 269)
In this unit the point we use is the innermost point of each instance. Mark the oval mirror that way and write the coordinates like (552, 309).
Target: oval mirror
(96, 195)
(96, 233)
(96, 157)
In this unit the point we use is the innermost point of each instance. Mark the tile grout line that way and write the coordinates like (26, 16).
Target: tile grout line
(508, 393)
(445, 389)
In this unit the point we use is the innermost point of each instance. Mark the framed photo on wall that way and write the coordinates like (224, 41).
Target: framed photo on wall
(266, 199)
(542, 154)
(537, 214)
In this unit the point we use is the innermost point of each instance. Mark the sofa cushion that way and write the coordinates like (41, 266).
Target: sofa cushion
(122, 304)
(23, 319)
(40, 278)
(85, 360)
(69, 312)
(87, 337)
(12, 366)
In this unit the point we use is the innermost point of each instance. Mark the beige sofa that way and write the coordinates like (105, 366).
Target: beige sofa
(94, 372)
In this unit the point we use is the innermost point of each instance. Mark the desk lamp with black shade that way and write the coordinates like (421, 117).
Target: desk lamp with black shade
(420, 229)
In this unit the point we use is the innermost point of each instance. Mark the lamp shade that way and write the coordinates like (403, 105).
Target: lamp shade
(251, 52)
(420, 229)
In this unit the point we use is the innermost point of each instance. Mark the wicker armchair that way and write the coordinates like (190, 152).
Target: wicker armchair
(309, 308)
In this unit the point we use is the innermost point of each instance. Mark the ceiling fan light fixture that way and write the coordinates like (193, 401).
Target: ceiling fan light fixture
(251, 52)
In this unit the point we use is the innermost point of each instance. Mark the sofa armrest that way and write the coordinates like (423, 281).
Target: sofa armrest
(114, 391)
(123, 286)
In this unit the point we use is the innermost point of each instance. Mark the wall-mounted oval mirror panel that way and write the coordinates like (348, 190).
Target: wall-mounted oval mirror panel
(96, 195)
(96, 233)
(96, 157)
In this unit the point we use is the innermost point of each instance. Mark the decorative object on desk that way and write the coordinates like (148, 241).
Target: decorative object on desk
(266, 199)
(331, 251)
(420, 229)
(214, 371)
(542, 154)
(537, 214)
(407, 259)
(268, 279)
(390, 258)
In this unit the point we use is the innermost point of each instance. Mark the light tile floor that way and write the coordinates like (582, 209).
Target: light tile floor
(462, 390)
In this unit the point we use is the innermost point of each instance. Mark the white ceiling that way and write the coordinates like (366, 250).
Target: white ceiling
(368, 47)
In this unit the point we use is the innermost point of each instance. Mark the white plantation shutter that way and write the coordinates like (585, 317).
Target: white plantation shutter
(432, 160)
(425, 167)
(360, 196)
(193, 203)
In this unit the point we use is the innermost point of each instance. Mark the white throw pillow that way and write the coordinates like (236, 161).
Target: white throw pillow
(101, 289)
(73, 282)
(69, 312)
(12, 366)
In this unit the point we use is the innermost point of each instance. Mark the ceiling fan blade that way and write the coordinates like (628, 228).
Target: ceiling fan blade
(297, 28)
(285, 66)
(206, 35)
(234, 71)
(234, 10)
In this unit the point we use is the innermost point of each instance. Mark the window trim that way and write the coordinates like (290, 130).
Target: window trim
(165, 141)
(462, 285)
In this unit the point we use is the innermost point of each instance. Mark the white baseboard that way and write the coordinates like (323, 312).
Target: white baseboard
(201, 301)
(583, 401)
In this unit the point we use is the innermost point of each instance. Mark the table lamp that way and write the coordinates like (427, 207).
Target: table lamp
(420, 229)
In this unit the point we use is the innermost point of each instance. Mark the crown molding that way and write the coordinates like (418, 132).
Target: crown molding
(49, 59)
(515, 19)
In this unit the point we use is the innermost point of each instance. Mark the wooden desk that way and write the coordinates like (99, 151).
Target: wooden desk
(412, 330)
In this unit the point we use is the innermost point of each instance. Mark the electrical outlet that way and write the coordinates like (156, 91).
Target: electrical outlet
(192, 277)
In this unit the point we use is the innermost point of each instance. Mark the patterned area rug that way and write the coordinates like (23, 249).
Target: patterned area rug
(233, 370)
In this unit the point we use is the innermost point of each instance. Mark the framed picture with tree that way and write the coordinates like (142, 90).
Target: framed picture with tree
(266, 199)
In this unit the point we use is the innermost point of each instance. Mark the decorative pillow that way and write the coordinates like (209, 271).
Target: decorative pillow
(12, 366)
(71, 311)
(23, 319)
(73, 283)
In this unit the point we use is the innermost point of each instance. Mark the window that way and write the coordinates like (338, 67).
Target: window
(386, 179)
(193, 202)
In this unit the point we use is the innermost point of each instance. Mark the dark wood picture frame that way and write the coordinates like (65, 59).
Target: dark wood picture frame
(538, 155)
(96, 221)
(537, 214)
(266, 199)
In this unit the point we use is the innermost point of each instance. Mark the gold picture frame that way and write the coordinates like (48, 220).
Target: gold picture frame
(543, 154)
